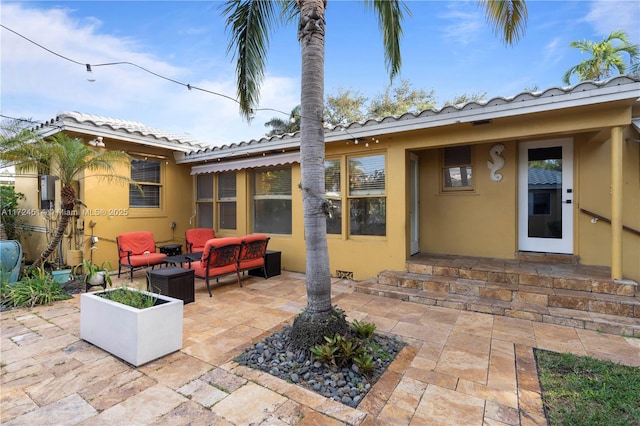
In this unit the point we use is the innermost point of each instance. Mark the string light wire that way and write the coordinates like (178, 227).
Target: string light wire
(189, 86)
(89, 68)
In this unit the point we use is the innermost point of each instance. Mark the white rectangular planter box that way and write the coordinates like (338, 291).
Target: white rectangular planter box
(135, 335)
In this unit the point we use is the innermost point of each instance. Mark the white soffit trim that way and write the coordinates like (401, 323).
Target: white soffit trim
(247, 163)
(636, 124)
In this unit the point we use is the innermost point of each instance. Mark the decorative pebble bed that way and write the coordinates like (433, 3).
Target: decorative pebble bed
(346, 384)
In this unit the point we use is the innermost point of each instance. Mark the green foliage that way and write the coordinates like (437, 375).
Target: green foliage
(344, 107)
(130, 297)
(364, 329)
(90, 270)
(357, 346)
(12, 220)
(606, 55)
(365, 362)
(37, 287)
(280, 126)
(399, 100)
(579, 390)
(324, 353)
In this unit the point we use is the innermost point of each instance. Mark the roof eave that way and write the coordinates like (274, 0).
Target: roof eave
(496, 108)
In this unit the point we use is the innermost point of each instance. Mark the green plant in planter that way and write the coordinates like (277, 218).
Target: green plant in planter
(130, 297)
(92, 271)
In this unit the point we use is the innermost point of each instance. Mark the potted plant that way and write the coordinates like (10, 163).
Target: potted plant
(138, 334)
(94, 274)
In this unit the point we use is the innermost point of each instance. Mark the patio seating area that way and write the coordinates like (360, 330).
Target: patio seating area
(459, 367)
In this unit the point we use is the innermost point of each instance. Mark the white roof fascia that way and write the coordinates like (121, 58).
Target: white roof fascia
(122, 135)
(245, 148)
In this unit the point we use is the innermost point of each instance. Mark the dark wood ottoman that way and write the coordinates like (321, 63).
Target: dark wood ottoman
(173, 282)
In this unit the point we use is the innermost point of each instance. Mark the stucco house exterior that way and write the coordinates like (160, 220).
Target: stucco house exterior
(555, 171)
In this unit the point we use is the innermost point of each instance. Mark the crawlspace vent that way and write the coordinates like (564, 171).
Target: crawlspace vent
(346, 275)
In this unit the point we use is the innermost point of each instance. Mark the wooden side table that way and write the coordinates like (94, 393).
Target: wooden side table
(173, 282)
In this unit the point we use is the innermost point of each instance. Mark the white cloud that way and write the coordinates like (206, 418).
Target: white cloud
(464, 22)
(37, 84)
(608, 15)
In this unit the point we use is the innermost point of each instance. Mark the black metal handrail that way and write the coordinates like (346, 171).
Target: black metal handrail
(605, 220)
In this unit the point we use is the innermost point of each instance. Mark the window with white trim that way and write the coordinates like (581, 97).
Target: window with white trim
(333, 195)
(272, 200)
(204, 201)
(226, 200)
(367, 195)
(147, 174)
(457, 169)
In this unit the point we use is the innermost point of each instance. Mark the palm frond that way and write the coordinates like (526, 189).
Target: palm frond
(508, 18)
(390, 14)
(249, 23)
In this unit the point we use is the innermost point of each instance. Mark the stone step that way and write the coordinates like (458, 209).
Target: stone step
(555, 278)
(596, 315)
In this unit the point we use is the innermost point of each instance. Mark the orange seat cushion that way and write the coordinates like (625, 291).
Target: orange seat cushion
(136, 242)
(198, 237)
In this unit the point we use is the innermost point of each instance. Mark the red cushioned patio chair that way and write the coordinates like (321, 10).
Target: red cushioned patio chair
(137, 250)
(196, 238)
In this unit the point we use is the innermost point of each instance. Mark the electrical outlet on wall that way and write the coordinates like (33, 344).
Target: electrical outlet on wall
(173, 225)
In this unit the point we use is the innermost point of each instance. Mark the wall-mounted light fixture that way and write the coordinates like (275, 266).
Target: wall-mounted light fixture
(97, 142)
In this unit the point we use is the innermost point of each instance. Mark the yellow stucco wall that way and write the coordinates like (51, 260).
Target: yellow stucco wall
(107, 207)
(483, 222)
(594, 242)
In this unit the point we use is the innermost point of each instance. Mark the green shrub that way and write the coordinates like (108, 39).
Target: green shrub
(37, 287)
(10, 217)
(364, 329)
(365, 363)
(357, 346)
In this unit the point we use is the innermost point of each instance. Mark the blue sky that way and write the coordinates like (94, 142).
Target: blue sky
(447, 47)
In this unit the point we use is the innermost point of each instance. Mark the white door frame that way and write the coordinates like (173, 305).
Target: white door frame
(548, 245)
(414, 204)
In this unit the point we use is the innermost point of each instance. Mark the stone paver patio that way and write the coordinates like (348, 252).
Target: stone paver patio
(459, 367)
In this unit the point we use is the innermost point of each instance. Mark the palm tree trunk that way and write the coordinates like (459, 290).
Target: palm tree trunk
(311, 34)
(68, 196)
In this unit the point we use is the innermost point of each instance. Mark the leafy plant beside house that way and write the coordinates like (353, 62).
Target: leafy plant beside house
(11, 219)
(36, 287)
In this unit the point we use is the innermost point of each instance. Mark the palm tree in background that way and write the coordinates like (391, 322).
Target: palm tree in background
(605, 57)
(280, 126)
(65, 158)
(250, 23)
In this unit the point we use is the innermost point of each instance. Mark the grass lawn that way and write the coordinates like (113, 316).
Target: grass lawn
(578, 390)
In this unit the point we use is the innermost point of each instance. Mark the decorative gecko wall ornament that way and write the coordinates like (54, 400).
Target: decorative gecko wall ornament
(497, 163)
